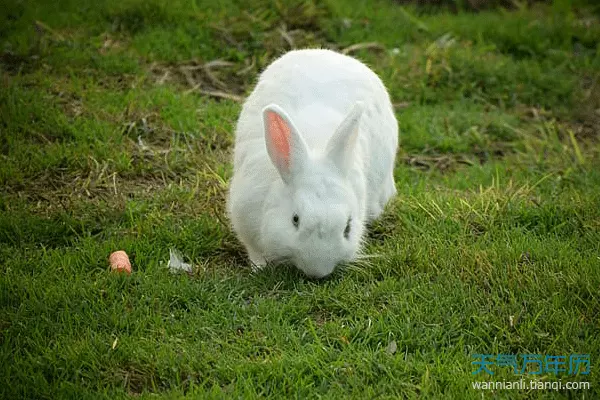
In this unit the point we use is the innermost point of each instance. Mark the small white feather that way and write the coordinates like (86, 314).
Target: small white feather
(176, 263)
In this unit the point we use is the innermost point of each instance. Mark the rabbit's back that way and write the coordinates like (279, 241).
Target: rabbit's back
(306, 77)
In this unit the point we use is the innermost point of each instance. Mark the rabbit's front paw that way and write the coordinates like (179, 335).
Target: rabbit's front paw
(257, 260)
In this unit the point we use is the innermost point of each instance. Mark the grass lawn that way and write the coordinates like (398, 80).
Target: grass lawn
(116, 132)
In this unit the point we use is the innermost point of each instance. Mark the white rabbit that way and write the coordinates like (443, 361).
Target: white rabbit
(314, 158)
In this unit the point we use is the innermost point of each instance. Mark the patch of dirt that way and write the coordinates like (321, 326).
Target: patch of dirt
(255, 38)
(587, 112)
(217, 78)
(468, 5)
(442, 163)
(15, 64)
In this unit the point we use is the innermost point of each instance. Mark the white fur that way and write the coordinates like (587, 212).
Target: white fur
(344, 138)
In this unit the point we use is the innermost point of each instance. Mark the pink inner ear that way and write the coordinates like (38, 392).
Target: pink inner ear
(279, 132)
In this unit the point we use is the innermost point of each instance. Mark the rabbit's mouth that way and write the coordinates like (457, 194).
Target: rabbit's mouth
(315, 271)
(310, 268)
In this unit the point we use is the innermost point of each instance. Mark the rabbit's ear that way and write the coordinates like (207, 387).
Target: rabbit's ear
(285, 145)
(340, 147)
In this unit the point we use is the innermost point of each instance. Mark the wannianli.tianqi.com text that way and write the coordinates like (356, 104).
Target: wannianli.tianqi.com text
(530, 385)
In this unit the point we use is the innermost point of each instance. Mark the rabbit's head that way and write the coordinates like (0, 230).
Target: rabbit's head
(314, 215)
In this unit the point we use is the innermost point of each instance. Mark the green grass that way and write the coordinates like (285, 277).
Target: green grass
(109, 140)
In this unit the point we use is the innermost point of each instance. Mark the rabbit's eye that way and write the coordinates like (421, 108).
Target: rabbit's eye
(347, 230)
(296, 220)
